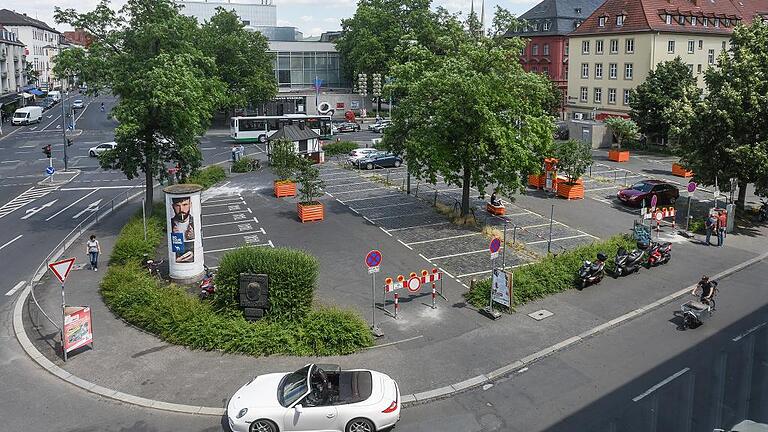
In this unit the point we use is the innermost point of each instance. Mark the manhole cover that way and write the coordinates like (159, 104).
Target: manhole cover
(540, 314)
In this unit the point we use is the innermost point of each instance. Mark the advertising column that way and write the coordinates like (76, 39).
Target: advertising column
(185, 244)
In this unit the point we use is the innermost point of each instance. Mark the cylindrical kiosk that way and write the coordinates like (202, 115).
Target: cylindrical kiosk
(185, 243)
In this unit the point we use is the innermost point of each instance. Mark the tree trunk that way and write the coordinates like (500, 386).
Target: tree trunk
(465, 190)
(741, 201)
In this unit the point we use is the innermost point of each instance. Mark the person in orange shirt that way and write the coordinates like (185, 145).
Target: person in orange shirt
(722, 222)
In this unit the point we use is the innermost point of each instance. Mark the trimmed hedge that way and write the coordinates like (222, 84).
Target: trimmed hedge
(552, 275)
(339, 148)
(242, 165)
(208, 177)
(130, 244)
(292, 276)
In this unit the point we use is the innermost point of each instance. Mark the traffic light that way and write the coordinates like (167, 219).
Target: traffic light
(377, 84)
(47, 151)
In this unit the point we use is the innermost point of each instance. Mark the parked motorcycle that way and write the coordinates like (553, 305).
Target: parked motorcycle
(762, 213)
(659, 253)
(628, 262)
(152, 266)
(207, 288)
(592, 273)
(695, 312)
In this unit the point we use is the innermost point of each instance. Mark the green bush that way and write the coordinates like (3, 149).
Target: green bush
(130, 244)
(551, 275)
(242, 165)
(339, 148)
(697, 226)
(292, 277)
(207, 177)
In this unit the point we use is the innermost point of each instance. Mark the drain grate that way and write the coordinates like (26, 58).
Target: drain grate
(540, 314)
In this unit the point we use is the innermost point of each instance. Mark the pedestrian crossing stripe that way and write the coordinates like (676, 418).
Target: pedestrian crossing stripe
(25, 198)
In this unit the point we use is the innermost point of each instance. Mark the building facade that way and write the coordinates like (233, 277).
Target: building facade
(78, 37)
(617, 46)
(252, 13)
(12, 64)
(546, 27)
(41, 44)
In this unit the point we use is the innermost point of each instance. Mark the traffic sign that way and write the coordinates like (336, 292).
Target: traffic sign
(61, 268)
(373, 269)
(692, 186)
(659, 216)
(414, 284)
(654, 201)
(495, 245)
(50, 170)
(373, 259)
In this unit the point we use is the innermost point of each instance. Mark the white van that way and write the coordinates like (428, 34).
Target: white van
(55, 95)
(27, 115)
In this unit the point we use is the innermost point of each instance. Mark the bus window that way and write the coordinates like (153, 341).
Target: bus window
(273, 124)
(325, 127)
(233, 123)
(313, 123)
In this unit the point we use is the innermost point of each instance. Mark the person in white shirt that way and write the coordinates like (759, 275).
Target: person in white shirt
(93, 249)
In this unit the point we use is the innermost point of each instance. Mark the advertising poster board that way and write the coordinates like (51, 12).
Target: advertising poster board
(78, 331)
(185, 246)
(501, 287)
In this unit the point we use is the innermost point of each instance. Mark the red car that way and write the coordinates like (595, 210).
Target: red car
(643, 191)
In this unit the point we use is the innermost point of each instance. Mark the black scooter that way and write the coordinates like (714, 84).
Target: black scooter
(628, 262)
(592, 273)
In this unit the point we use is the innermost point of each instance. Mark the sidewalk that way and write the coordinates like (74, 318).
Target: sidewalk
(429, 349)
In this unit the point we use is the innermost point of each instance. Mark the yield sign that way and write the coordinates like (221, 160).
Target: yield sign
(61, 268)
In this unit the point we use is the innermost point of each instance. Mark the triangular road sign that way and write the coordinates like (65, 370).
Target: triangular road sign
(61, 268)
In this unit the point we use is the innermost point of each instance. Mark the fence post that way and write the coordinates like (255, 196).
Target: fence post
(434, 293)
(435, 203)
(397, 303)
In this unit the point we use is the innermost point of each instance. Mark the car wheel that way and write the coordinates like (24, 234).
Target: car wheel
(369, 166)
(92, 154)
(263, 425)
(397, 163)
(672, 200)
(262, 139)
(360, 425)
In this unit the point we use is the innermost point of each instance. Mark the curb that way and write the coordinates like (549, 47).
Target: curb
(408, 400)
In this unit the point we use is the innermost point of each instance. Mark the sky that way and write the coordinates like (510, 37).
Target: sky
(312, 17)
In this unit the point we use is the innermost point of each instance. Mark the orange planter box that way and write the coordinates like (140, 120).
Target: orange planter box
(571, 191)
(310, 212)
(618, 155)
(680, 171)
(495, 210)
(285, 188)
(536, 181)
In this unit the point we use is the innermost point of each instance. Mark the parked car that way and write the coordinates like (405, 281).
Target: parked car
(316, 398)
(47, 103)
(379, 159)
(347, 127)
(359, 153)
(101, 148)
(78, 104)
(378, 125)
(634, 195)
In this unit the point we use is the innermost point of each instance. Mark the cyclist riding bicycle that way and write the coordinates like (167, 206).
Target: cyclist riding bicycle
(707, 289)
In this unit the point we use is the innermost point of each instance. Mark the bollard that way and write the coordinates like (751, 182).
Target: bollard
(434, 293)
(397, 304)
(435, 203)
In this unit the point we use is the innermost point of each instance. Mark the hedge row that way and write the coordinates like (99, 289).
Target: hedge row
(552, 275)
(131, 245)
(339, 148)
(242, 165)
(208, 177)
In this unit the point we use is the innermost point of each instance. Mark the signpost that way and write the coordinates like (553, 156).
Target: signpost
(61, 270)
(494, 248)
(691, 189)
(654, 201)
(373, 262)
(50, 170)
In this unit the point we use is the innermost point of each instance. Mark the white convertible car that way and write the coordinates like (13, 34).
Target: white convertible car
(317, 398)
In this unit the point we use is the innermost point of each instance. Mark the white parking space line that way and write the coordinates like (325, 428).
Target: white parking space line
(378, 207)
(558, 239)
(358, 191)
(488, 271)
(444, 238)
(748, 332)
(11, 241)
(269, 243)
(418, 226)
(603, 188)
(457, 254)
(232, 234)
(539, 225)
(348, 184)
(604, 201)
(229, 223)
(100, 187)
(16, 288)
(401, 215)
(233, 203)
(69, 206)
(226, 213)
(659, 385)
(10, 161)
(367, 198)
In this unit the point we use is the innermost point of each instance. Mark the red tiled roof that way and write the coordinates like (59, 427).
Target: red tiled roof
(649, 15)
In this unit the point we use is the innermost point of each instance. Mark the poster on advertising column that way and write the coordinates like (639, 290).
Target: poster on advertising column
(77, 327)
(185, 248)
(501, 287)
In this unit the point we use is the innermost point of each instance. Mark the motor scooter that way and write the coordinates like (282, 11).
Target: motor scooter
(207, 288)
(628, 262)
(592, 273)
(659, 253)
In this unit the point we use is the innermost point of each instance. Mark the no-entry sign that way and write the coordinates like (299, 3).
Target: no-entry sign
(414, 284)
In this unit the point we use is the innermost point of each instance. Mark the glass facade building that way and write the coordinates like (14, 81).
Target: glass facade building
(297, 64)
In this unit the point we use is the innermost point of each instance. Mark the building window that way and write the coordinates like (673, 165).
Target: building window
(717, 22)
(723, 45)
(545, 49)
(535, 49)
(577, 10)
(619, 20)
(545, 70)
(701, 44)
(626, 97)
(598, 95)
(567, 48)
(598, 71)
(534, 68)
(630, 46)
(612, 96)
(691, 46)
(584, 95)
(614, 46)
(681, 20)
(612, 70)
(576, 24)
(705, 22)
(693, 21)
(668, 19)
(698, 68)
(671, 47)
(522, 51)
(535, 26)
(546, 25)
(601, 21)
(598, 47)
(628, 71)
(711, 57)
(585, 70)
(585, 47)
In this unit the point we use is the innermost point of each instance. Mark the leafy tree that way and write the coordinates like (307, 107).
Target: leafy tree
(242, 60)
(310, 183)
(653, 100)
(469, 114)
(148, 55)
(283, 159)
(31, 74)
(726, 136)
(622, 129)
(573, 158)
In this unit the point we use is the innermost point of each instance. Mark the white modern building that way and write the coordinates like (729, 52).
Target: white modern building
(41, 44)
(251, 12)
(12, 63)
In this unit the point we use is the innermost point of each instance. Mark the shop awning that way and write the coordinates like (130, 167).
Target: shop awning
(36, 92)
(26, 95)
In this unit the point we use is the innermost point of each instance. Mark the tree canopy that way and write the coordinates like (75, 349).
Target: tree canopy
(469, 112)
(622, 129)
(653, 101)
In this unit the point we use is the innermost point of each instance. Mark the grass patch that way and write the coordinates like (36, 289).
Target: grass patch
(208, 177)
(551, 275)
(339, 148)
(131, 245)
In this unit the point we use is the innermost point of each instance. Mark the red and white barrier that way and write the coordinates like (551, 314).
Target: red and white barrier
(413, 284)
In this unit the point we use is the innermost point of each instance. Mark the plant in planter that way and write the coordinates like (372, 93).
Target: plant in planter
(284, 163)
(574, 157)
(622, 129)
(310, 188)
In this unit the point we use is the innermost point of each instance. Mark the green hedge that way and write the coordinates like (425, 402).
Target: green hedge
(292, 277)
(552, 275)
(208, 177)
(242, 165)
(339, 148)
(130, 244)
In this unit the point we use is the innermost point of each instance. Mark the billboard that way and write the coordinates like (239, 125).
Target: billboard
(77, 327)
(501, 287)
(185, 247)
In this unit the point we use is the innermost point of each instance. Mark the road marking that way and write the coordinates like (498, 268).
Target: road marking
(659, 385)
(99, 187)
(393, 343)
(11, 161)
(488, 271)
(52, 122)
(401, 242)
(444, 238)
(373, 197)
(25, 198)
(603, 188)
(558, 239)
(15, 288)
(227, 213)
(11, 241)
(207, 148)
(227, 223)
(419, 226)
(397, 216)
(361, 190)
(539, 225)
(377, 207)
(747, 333)
(67, 207)
(269, 243)
(92, 207)
(231, 203)
(232, 234)
(350, 184)
(457, 254)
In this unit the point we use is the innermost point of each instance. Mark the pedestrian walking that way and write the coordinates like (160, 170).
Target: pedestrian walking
(241, 151)
(710, 224)
(234, 153)
(722, 222)
(93, 249)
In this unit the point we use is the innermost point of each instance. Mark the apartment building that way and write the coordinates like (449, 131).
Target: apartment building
(616, 47)
(12, 76)
(41, 44)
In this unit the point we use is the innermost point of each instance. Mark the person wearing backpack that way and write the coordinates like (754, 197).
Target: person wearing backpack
(710, 224)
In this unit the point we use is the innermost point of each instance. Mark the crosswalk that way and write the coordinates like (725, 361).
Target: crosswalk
(25, 198)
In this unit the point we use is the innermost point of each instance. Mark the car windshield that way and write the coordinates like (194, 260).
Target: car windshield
(293, 386)
(642, 187)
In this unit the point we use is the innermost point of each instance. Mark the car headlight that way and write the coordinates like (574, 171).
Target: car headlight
(242, 412)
